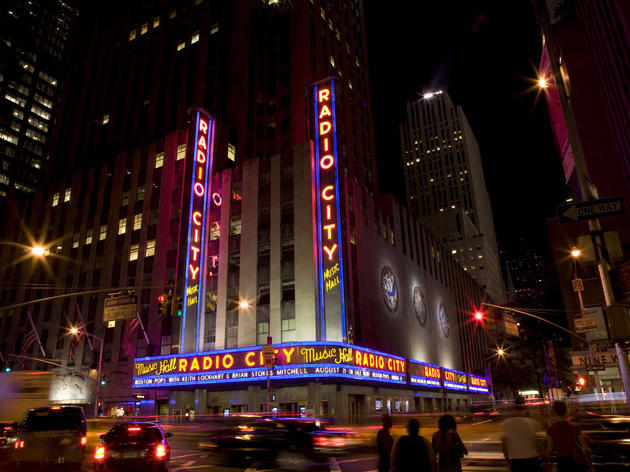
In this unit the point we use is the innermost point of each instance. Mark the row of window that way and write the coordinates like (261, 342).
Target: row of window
(67, 195)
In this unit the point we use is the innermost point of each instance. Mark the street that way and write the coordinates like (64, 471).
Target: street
(480, 437)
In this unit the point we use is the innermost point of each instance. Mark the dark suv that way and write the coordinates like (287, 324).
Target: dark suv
(51, 435)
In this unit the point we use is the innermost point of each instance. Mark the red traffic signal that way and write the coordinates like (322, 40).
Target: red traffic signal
(479, 316)
(161, 298)
(581, 381)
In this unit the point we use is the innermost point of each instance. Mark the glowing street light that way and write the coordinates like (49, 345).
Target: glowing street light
(500, 352)
(542, 82)
(243, 304)
(479, 315)
(74, 330)
(575, 252)
(38, 250)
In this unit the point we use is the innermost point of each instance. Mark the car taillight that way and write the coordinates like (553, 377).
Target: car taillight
(83, 440)
(321, 441)
(134, 429)
(19, 444)
(160, 451)
(99, 453)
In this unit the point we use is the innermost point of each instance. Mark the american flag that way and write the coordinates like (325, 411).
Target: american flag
(27, 345)
(129, 337)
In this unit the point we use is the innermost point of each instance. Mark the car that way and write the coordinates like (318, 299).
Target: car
(133, 445)
(51, 435)
(609, 439)
(293, 443)
(8, 433)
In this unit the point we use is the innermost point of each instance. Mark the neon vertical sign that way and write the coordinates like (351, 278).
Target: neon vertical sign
(194, 280)
(329, 264)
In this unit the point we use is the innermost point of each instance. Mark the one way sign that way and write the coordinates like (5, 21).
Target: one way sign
(591, 210)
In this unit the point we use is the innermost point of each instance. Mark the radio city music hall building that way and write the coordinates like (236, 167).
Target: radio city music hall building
(366, 309)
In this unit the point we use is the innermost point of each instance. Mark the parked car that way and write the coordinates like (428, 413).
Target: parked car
(133, 446)
(292, 443)
(8, 433)
(51, 435)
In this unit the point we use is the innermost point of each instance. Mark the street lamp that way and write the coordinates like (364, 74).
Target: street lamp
(75, 332)
(268, 349)
(542, 82)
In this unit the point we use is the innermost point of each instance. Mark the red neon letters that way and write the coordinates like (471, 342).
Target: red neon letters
(199, 190)
(326, 162)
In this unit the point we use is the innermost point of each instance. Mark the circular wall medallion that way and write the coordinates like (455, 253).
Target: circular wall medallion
(390, 289)
(420, 306)
(445, 323)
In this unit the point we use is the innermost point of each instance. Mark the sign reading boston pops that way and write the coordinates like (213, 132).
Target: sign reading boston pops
(294, 361)
(194, 280)
(329, 266)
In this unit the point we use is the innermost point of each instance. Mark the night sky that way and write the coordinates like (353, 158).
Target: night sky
(482, 52)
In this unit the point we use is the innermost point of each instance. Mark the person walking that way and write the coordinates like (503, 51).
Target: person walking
(448, 445)
(384, 444)
(413, 453)
(565, 439)
(521, 447)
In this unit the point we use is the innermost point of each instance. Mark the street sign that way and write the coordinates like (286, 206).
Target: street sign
(585, 324)
(510, 326)
(120, 307)
(591, 210)
(578, 285)
(595, 367)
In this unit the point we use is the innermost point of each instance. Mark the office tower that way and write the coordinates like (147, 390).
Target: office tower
(446, 187)
(34, 54)
(223, 151)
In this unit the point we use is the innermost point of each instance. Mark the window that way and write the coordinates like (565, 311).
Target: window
(133, 252)
(194, 38)
(34, 135)
(156, 21)
(44, 101)
(88, 237)
(105, 119)
(214, 29)
(17, 100)
(75, 241)
(231, 152)
(132, 35)
(181, 152)
(36, 123)
(215, 231)
(40, 112)
(332, 61)
(144, 28)
(102, 234)
(55, 201)
(122, 226)
(172, 13)
(235, 225)
(181, 45)
(8, 137)
(44, 76)
(140, 195)
(159, 160)
(137, 221)
(19, 114)
(150, 248)
(67, 195)
(125, 199)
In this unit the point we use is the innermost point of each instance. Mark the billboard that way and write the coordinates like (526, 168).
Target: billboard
(329, 258)
(477, 384)
(299, 360)
(424, 375)
(193, 308)
(454, 380)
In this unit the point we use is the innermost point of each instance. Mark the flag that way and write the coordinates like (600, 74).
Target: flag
(129, 338)
(27, 345)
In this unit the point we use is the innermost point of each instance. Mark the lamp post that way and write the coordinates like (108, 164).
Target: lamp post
(76, 332)
(577, 287)
(268, 349)
(499, 353)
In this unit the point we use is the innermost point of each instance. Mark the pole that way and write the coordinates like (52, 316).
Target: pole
(41, 348)
(591, 360)
(98, 380)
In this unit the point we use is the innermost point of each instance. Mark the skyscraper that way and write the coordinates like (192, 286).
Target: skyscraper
(34, 54)
(446, 187)
(223, 151)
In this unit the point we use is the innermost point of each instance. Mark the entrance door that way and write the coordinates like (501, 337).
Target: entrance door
(356, 404)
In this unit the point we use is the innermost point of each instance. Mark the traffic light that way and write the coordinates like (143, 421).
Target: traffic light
(581, 381)
(163, 305)
(479, 316)
(176, 306)
(103, 379)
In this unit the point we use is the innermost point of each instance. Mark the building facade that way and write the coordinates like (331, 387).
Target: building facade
(258, 207)
(34, 54)
(446, 187)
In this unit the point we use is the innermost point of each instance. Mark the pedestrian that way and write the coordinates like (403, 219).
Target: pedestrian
(521, 447)
(413, 453)
(448, 445)
(566, 441)
(384, 444)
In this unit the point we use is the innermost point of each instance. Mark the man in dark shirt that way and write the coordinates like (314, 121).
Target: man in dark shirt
(413, 453)
(384, 444)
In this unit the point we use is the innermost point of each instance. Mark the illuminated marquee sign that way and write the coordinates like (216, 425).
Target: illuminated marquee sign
(424, 375)
(454, 380)
(329, 266)
(477, 384)
(194, 280)
(294, 360)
